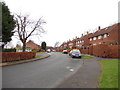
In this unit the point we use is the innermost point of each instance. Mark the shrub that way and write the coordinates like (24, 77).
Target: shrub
(9, 50)
(14, 56)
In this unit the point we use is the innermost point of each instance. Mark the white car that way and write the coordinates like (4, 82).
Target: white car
(48, 51)
(75, 53)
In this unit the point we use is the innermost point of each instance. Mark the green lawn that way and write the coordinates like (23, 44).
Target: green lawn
(40, 52)
(86, 57)
(109, 75)
(38, 56)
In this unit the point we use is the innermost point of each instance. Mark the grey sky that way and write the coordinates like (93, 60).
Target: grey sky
(67, 18)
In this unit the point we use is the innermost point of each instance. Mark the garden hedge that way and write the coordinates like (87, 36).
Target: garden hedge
(14, 56)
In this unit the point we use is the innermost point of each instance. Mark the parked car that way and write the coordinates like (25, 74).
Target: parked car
(65, 52)
(48, 51)
(75, 53)
(53, 50)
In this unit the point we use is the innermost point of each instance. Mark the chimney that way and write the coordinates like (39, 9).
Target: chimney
(98, 27)
(82, 35)
(87, 32)
(76, 37)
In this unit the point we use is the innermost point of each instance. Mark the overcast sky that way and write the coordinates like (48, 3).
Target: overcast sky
(67, 18)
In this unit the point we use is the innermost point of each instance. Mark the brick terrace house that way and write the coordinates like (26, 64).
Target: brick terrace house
(106, 38)
(83, 42)
(108, 35)
(32, 45)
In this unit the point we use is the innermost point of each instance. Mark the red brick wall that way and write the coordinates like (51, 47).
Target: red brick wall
(101, 50)
(90, 50)
(106, 51)
(114, 51)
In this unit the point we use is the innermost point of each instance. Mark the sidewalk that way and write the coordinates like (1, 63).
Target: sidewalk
(86, 77)
(24, 61)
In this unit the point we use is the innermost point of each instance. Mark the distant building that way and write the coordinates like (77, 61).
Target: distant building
(32, 45)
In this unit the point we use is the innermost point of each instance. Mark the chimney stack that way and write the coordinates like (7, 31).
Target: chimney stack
(87, 32)
(76, 37)
(98, 27)
(82, 35)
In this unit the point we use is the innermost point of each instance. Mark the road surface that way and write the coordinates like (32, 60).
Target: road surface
(46, 73)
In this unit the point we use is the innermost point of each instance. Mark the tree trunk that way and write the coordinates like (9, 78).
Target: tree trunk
(3, 46)
(24, 46)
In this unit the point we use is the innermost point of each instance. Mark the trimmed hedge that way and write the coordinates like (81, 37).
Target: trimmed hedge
(9, 50)
(14, 56)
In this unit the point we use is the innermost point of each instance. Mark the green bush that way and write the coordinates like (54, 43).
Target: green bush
(9, 50)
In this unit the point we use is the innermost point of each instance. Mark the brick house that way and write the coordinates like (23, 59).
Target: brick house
(32, 45)
(108, 35)
(104, 42)
(70, 44)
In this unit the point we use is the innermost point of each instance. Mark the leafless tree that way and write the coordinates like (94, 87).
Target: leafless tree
(26, 27)
(56, 44)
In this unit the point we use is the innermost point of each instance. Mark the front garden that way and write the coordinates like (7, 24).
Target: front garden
(109, 75)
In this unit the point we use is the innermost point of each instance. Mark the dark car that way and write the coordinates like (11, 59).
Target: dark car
(65, 52)
(75, 53)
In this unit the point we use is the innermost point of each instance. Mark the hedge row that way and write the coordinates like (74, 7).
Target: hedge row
(14, 56)
(9, 50)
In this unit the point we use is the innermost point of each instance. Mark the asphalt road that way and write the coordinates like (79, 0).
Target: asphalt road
(46, 73)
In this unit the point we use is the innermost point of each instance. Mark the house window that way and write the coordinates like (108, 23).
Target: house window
(105, 35)
(90, 39)
(94, 43)
(80, 45)
(70, 43)
(94, 38)
(100, 37)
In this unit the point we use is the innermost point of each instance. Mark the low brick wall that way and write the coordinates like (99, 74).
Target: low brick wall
(13, 56)
(101, 50)
(106, 51)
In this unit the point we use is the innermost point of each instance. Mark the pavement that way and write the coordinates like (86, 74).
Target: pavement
(86, 77)
(44, 55)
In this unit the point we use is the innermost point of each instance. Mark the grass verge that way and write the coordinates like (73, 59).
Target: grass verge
(109, 75)
(38, 56)
(86, 57)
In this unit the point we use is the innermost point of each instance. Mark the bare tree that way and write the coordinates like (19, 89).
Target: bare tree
(56, 44)
(26, 28)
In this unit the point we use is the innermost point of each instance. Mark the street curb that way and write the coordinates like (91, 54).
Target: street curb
(24, 61)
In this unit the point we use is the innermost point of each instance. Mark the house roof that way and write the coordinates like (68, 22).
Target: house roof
(105, 30)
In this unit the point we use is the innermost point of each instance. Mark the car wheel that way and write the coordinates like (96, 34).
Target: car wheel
(72, 56)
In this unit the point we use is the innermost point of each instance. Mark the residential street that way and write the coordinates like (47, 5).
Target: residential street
(46, 73)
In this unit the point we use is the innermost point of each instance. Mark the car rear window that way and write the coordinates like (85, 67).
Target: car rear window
(76, 51)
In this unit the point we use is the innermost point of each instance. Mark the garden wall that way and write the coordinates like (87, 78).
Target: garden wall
(101, 50)
(106, 51)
